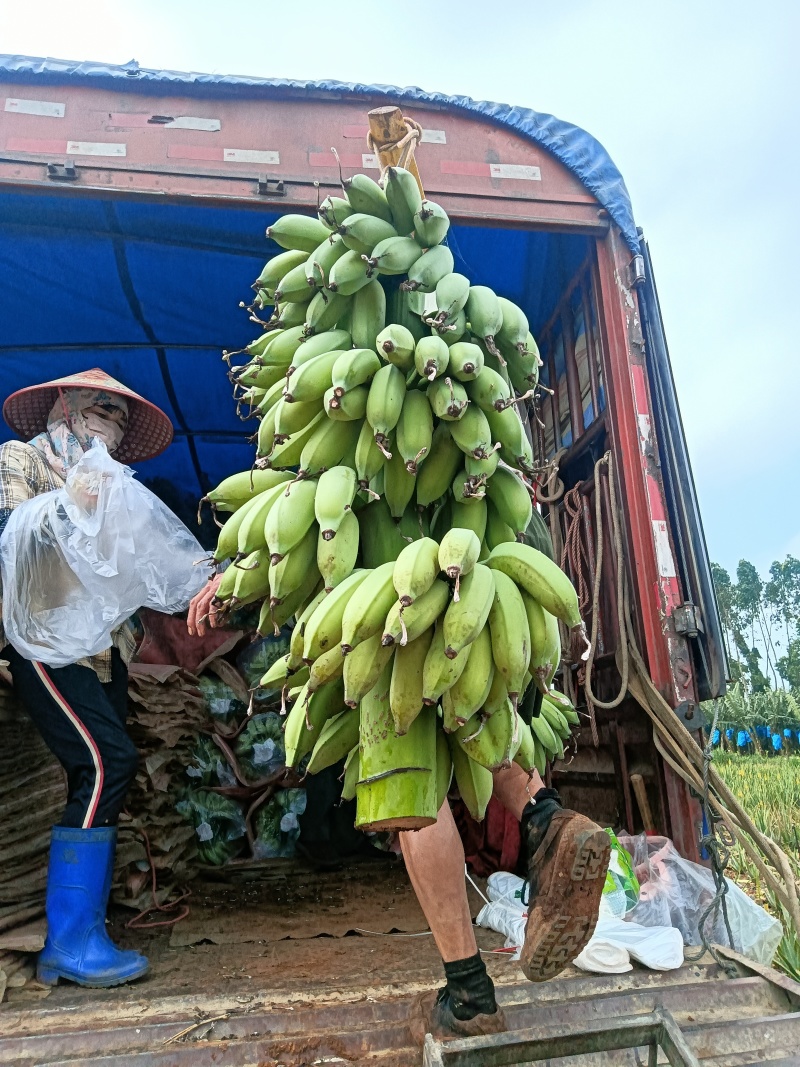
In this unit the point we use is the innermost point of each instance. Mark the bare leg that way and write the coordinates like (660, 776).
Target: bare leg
(514, 789)
(435, 864)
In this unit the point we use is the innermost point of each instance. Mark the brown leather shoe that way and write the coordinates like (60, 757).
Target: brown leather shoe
(433, 1015)
(567, 872)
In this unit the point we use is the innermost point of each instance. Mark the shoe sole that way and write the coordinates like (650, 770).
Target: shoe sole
(48, 976)
(560, 926)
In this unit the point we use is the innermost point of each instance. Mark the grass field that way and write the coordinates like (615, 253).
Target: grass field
(770, 790)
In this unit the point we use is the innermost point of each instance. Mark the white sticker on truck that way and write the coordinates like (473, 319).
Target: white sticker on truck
(515, 170)
(434, 137)
(250, 155)
(189, 122)
(370, 161)
(48, 108)
(95, 148)
(666, 564)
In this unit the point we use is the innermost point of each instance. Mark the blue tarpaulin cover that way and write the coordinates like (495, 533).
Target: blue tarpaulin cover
(149, 290)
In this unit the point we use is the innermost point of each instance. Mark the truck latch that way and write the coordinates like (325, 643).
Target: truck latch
(270, 186)
(688, 620)
(62, 172)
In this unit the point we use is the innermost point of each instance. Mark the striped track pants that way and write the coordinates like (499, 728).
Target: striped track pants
(82, 722)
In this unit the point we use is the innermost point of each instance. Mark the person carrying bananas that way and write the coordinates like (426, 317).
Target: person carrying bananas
(80, 710)
(565, 858)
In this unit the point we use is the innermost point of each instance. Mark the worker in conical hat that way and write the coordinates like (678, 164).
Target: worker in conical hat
(80, 710)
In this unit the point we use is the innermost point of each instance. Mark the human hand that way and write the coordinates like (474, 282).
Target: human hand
(200, 613)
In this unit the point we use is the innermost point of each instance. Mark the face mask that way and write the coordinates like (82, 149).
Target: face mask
(110, 433)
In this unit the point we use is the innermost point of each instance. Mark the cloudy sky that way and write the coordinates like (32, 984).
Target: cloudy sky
(697, 102)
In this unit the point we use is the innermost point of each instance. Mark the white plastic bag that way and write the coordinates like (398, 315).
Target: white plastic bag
(658, 947)
(603, 957)
(506, 919)
(676, 892)
(77, 562)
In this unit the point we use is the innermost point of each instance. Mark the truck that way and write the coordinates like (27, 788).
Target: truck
(133, 204)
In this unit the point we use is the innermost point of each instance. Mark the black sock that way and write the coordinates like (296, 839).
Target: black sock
(536, 814)
(469, 989)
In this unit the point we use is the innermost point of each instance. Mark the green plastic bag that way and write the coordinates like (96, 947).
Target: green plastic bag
(621, 891)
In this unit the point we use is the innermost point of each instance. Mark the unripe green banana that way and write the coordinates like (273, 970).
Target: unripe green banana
(556, 721)
(362, 232)
(276, 613)
(523, 367)
(545, 735)
(266, 438)
(404, 198)
(475, 783)
(485, 315)
(447, 398)
(333, 211)
(398, 484)
(525, 756)
(406, 624)
(431, 357)
(291, 570)
(293, 288)
(483, 468)
(366, 196)
(349, 274)
(338, 737)
(466, 360)
(328, 445)
(405, 692)
(336, 489)
(465, 618)
(515, 448)
(509, 494)
(564, 706)
(369, 458)
(291, 417)
(458, 553)
(498, 532)
(394, 255)
(414, 430)
(325, 310)
(415, 570)
(472, 433)
(508, 624)
(288, 453)
(319, 345)
(323, 628)
(235, 491)
(363, 667)
(353, 368)
(251, 581)
(280, 672)
(444, 769)
(451, 296)
(514, 329)
(470, 691)
(440, 671)
(384, 403)
(352, 772)
(305, 721)
(268, 376)
(288, 315)
(283, 346)
(381, 537)
(450, 330)
(489, 391)
(545, 642)
(368, 607)
(311, 380)
(300, 232)
(469, 515)
(429, 269)
(466, 489)
(320, 263)
(437, 473)
(290, 517)
(491, 741)
(368, 314)
(272, 398)
(337, 555)
(430, 224)
(348, 407)
(277, 267)
(543, 579)
(298, 633)
(251, 534)
(396, 344)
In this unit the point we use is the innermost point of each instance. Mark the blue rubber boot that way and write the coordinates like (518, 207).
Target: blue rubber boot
(78, 885)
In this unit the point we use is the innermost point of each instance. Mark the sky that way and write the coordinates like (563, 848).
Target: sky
(697, 102)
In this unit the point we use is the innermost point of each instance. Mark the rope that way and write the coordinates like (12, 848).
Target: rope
(408, 143)
(551, 479)
(592, 701)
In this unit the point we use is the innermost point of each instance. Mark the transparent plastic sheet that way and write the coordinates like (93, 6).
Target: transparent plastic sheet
(676, 892)
(78, 561)
(278, 825)
(260, 748)
(218, 823)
